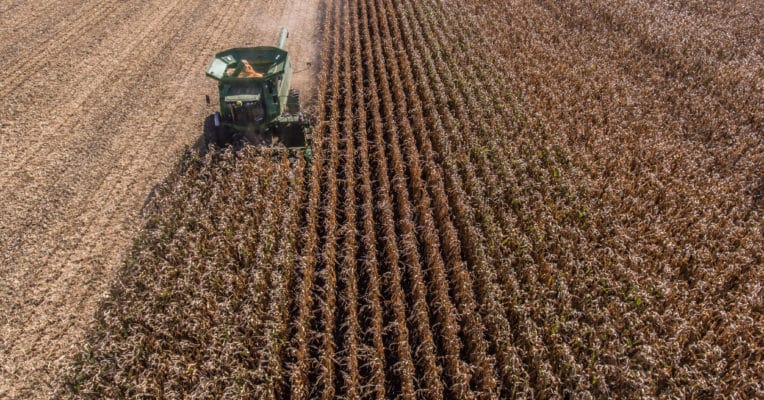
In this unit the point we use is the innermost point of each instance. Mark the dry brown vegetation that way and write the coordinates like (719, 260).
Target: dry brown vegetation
(201, 307)
(564, 201)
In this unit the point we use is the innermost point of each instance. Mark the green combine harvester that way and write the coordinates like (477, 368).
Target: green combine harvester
(257, 104)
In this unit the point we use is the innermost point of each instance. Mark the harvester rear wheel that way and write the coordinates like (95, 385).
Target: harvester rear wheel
(293, 101)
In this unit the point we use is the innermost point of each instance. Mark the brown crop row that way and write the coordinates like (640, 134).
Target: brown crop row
(526, 199)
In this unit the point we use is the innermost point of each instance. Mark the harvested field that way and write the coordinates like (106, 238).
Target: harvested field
(564, 201)
(97, 101)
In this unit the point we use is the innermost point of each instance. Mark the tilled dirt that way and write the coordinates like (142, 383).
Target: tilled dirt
(97, 99)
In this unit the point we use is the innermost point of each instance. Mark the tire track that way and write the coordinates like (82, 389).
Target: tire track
(80, 31)
(32, 27)
(16, 7)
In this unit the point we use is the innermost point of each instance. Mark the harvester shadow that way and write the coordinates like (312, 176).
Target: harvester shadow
(81, 365)
(202, 145)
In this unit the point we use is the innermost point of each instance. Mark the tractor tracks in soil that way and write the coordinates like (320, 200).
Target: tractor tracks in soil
(32, 25)
(32, 53)
(82, 144)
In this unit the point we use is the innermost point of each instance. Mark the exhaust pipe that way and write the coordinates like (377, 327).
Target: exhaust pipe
(282, 38)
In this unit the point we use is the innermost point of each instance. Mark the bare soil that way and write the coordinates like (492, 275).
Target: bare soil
(97, 99)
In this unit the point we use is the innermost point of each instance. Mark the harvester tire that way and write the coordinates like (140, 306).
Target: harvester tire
(293, 101)
(223, 136)
(214, 131)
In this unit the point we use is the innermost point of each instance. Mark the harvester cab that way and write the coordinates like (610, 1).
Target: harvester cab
(256, 101)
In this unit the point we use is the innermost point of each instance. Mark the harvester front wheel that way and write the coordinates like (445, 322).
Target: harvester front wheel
(215, 132)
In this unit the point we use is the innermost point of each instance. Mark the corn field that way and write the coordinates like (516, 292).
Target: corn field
(507, 199)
